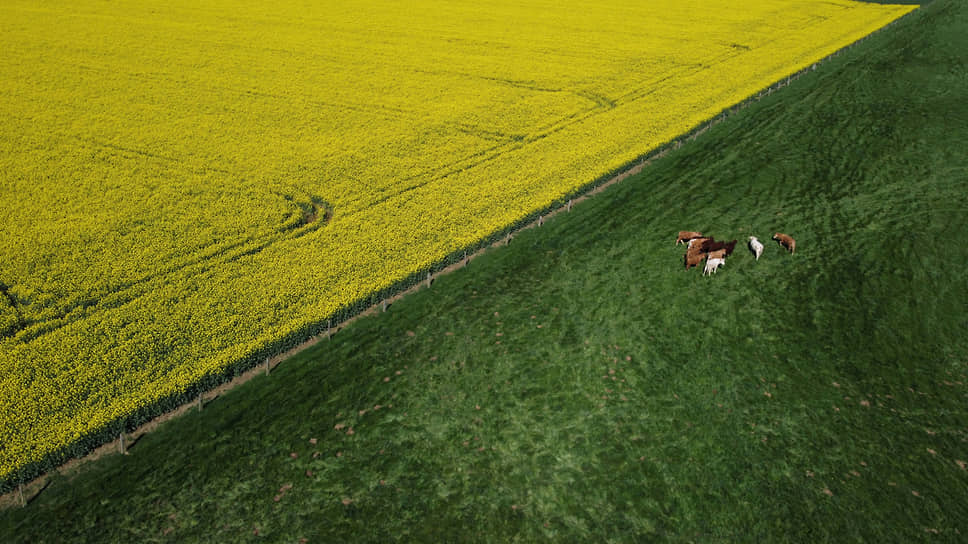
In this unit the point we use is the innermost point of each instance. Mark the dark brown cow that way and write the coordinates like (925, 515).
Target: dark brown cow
(710, 245)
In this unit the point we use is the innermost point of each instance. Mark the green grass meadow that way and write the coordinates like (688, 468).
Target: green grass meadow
(579, 386)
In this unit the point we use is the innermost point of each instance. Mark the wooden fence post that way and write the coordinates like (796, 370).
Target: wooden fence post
(569, 204)
(124, 450)
(23, 500)
(384, 305)
(199, 402)
(267, 366)
(329, 324)
(428, 279)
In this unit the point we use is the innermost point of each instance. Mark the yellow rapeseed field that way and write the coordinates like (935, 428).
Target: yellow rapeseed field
(184, 183)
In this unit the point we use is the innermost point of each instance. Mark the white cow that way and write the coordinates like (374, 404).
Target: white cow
(756, 247)
(712, 265)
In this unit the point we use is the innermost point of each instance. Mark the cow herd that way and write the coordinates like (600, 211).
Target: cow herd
(701, 248)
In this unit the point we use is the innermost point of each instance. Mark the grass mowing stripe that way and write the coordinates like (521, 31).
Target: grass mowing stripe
(579, 386)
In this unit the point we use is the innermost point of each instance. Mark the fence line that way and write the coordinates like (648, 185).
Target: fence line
(33, 474)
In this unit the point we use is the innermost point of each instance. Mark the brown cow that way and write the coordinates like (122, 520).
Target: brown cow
(718, 254)
(686, 235)
(786, 241)
(693, 258)
(697, 242)
(694, 253)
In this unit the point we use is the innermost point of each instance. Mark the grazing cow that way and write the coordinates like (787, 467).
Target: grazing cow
(786, 241)
(694, 259)
(686, 235)
(694, 256)
(756, 247)
(697, 242)
(709, 245)
(718, 254)
(712, 265)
